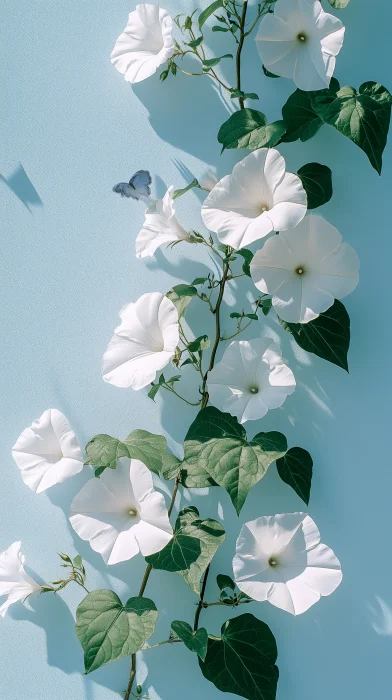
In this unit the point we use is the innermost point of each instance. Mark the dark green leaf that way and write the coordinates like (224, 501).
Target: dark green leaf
(247, 128)
(300, 119)
(253, 317)
(295, 468)
(317, 183)
(200, 280)
(328, 336)
(195, 43)
(201, 343)
(179, 553)
(217, 28)
(194, 641)
(268, 73)
(151, 395)
(235, 314)
(339, 4)
(181, 295)
(217, 444)
(225, 582)
(242, 660)
(266, 306)
(203, 17)
(248, 257)
(363, 117)
(109, 630)
(210, 533)
(212, 62)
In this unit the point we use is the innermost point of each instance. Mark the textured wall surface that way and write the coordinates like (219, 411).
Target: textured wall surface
(73, 129)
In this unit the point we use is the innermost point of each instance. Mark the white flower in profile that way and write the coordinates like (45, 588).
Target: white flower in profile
(208, 180)
(257, 198)
(14, 582)
(280, 559)
(300, 41)
(250, 379)
(305, 269)
(121, 514)
(47, 452)
(143, 343)
(160, 227)
(145, 44)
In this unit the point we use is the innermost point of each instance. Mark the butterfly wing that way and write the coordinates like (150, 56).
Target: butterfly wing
(141, 182)
(125, 190)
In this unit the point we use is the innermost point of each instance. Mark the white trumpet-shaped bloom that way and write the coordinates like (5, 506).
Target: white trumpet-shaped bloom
(280, 559)
(305, 269)
(143, 343)
(300, 41)
(14, 582)
(145, 44)
(160, 227)
(208, 180)
(47, 452)
(250, 379)
(257, 198)
(121, 514)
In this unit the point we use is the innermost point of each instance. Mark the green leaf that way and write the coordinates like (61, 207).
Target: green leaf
(210, 533)
(78, 561)
(295, 468)
(194, 641)
(151, 395)
(109, 630)
(201, 343)
(181, 295)
(225, 582)
(196, 42)
(191, 186)
(300, 119)
(317, 183)
(266, 306)
(248, 257)
(217, 28)
(242, 660)
(328, 336)
(104, 451)
(247, 128)
(203, 17)
(171, 467)
(182, 550)
(268, 73)
(200, 280)
(339, 4)
(217, 444)
(212, 62)
(363, 117)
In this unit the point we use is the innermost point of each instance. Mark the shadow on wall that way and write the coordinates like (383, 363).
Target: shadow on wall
(21, 185)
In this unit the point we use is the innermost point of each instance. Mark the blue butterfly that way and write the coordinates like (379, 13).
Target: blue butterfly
(137, 188)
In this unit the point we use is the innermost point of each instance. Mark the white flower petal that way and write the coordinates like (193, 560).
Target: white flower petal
(14, 582)
(305, 269)
(143, 344)
(250, 379)
(160, 227)
(279, 559)
(244, 207)
(121, 514)
(47, 452)
(145, 44)
(300, 41)
(208, 180)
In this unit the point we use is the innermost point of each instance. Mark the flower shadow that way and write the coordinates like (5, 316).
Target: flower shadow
(21, 185)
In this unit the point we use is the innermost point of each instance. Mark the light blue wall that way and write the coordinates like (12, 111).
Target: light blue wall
(73, 129)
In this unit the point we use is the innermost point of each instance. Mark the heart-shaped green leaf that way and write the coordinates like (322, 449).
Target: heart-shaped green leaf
(317, 183)
(295, 468)
(109, 630)
(217, 444)
(104, 451)
(195, 641)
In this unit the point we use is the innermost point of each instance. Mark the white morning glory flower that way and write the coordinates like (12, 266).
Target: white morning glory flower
(300, 41)
(47, 452)
(145, 43)
(143, 343)
(14, 582)
(250, 379)
(121, 514)
(160, 227)
(305, 269)
(279, 558)
(257, 198)
(208, 180)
